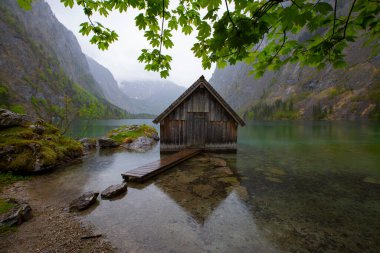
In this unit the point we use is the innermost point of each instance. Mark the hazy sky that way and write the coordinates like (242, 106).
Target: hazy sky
(121, 57)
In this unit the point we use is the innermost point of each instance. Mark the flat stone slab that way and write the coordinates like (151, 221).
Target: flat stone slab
(114, 191)
(83, 202)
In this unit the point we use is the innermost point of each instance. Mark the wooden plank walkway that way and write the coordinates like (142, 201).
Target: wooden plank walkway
(151, 169)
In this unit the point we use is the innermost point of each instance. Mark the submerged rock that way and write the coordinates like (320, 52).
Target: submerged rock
(203, 191)
(273, 179)
(141, 144)
(218, 162)
(114, 191)
(371, 180)
(224, 171)
(107, 143)
(11, 119)
(84, 201)
(16, 215)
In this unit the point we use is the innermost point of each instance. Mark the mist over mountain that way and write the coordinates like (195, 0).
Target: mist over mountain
(152, 96)
(111, 89)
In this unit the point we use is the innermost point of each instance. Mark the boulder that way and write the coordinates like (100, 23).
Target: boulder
(141, 144)
(218, 162)
(84, 201)
(114, 191)
(11, 119)
(107, 143)
(18, 214)
(88, 143)
(38, 129)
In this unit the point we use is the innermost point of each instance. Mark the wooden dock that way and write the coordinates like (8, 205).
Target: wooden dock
(151, 169)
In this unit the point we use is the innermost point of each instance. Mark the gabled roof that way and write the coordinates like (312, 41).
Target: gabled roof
(189, 91)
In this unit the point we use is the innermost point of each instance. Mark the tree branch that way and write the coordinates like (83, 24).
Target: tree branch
(279, 49)
(229, 16)
(333, 32)
(348, 18)
(294, 2)
(162, 28)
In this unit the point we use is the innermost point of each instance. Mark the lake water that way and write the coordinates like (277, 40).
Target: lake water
(291, 187)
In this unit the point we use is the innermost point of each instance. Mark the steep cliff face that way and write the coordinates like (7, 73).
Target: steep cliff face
(42, 71)
(42, 26)
(152, 96)
(111, 89)
(303, 92)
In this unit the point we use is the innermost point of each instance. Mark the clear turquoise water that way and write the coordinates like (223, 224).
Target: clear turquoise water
(291, 187)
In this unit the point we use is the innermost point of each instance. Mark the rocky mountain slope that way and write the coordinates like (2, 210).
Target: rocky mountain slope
(152, 96)
(303, 92)
(111, 89)
(43, 71)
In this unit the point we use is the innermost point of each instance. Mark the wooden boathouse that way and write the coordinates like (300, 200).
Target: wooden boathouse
(200, 118)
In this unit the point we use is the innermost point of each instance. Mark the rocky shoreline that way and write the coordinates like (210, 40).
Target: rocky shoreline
(52, 228)
(29, 146)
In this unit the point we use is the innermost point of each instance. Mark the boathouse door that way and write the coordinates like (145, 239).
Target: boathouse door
(196, 129)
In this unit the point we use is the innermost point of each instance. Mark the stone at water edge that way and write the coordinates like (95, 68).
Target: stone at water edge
(84, 201)
(88, 143)
(17, 215)
(141, 144)
(114, 191)
(107, 143)
(218, 162)
(155, 137)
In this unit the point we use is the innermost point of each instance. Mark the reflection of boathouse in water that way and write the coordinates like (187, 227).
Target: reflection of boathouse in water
(199, 118)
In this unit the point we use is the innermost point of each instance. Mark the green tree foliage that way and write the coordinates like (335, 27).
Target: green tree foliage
(278, 110)
(237, 34)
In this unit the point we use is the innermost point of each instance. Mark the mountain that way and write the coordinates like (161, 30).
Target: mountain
(152, 96)
(111, 89)
(297, 92)
(43, 71)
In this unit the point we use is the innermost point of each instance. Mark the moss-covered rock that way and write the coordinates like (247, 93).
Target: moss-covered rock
(23, 149)
(129, 133)
(133, 137)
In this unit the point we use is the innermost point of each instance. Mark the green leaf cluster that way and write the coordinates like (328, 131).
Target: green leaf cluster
(264, 33)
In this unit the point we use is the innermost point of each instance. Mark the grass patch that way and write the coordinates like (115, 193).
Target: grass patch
(5, 206)
(300, 96)
(10, 178)
(335, 91)
(374, 93)
(129, 133)
(6, 229)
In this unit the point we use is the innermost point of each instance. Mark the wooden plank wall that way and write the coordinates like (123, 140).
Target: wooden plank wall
(221, 129)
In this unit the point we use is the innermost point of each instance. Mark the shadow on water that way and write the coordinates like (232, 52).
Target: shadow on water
(291, 187)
